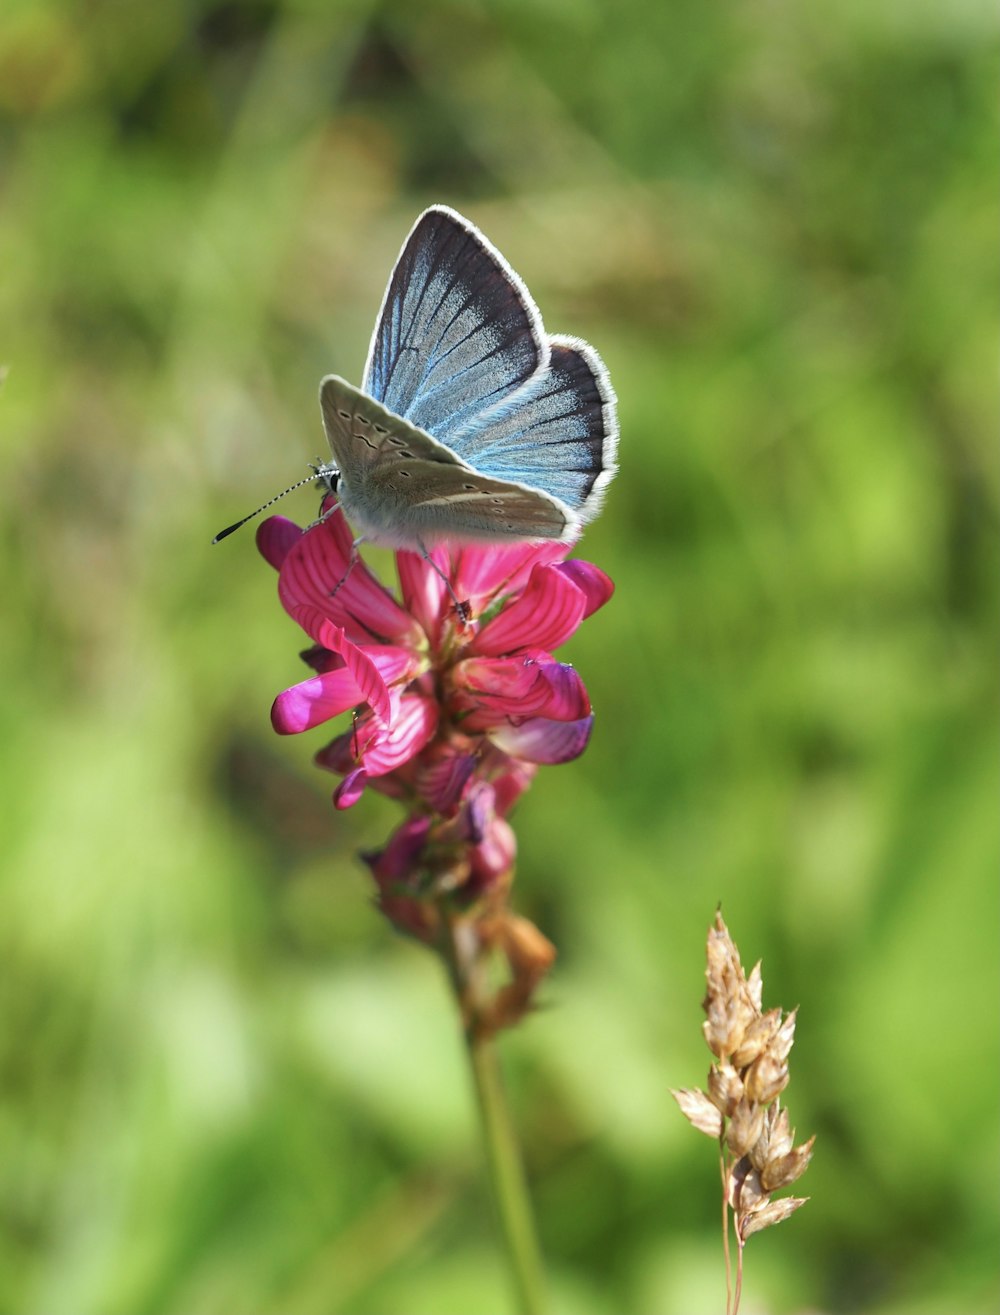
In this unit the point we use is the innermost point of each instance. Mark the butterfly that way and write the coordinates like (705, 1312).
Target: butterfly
(472, 424)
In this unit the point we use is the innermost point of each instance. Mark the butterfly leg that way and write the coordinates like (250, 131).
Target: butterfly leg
(354, 558)
(462, 608)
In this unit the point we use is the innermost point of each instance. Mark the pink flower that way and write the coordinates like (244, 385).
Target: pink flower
(453, 710)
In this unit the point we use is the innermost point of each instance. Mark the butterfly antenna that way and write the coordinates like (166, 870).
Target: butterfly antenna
(309, 479)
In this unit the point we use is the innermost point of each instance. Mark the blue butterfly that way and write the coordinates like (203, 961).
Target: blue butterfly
(472, 423)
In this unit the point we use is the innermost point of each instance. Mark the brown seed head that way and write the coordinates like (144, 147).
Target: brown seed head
(725, 1088)
(744, 1127)
(728, 1003)
(758, 1036)
(766, 1078)
(771, 1213)
(699, 1111)
(783, 1170)
(741, 1105)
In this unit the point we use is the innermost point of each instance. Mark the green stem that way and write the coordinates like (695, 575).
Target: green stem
(503, 1157)
(510, 1190)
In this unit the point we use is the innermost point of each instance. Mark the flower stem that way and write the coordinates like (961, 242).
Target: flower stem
(503, 1157)
(510, 1191)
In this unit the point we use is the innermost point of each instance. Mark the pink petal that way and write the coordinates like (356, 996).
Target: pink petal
(321, 659)
(545, 615)
(275, 538)
(350, 790)
(398, 861)
(412, 728)
(441, 781)
(597, 587)
(354, 675)
(491, 690)
(481, 573)
(423, 590)
(478, 812)
(314, 701)
(373, 668)
(381, 749)
(494, 855)
(395, 665)
(511, 782)
(540, 740)
(320, 572)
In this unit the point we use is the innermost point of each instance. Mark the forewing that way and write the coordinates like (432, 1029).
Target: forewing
(364, 435)
(457, 332)
(560, 435)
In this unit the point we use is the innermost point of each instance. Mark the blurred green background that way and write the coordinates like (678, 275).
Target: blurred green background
(226, 1087)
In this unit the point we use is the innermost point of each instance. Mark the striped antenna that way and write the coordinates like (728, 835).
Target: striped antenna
(318, 473)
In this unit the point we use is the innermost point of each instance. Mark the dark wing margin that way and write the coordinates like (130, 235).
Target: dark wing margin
(458, 330)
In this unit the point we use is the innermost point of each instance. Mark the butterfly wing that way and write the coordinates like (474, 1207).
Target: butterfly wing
(404, 489)
(560, 434)
(457, 332)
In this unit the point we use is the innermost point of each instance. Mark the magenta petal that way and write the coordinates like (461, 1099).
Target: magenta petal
(541, 740)
(441, 781)
(315, 700)
(350, 790)
(275, 539)
(597, 587)
(479, 573)
(378, 748)
(372, 667)
(545, 615)
(413, 726)
(394, 664)
(423, 590)
(321, 572)
(399, 861)
(494, 855)
(491, 690)
(511, 783)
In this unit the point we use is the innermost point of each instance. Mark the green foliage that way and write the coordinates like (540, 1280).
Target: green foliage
(224, 1086)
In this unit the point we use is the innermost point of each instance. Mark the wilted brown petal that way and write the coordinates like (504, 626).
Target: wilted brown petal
(744, 1127)
(771, 1213)
(725, 1088)
(699, 1110)
(785, 1169)
(528, 952)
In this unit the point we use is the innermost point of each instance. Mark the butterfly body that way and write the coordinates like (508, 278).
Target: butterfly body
(472, 424)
